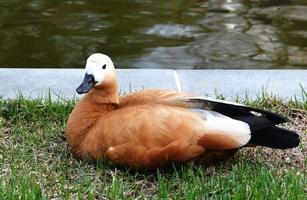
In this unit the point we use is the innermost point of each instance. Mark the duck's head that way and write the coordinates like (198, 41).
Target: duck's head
(98, 69)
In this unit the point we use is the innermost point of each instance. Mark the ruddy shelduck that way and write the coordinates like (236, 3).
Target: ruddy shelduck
(151, 128)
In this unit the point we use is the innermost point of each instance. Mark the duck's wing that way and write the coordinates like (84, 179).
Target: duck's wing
(262, 125)
(165, 97)
(179, 99)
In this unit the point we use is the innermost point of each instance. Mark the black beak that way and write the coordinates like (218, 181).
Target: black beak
(87, 84)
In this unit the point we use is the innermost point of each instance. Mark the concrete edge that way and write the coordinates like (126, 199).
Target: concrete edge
(232, 84)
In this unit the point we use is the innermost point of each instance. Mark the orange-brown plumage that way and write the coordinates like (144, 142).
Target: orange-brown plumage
(134, 134)
(149, 128)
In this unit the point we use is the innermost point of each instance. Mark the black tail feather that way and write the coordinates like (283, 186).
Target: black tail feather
(275, 137)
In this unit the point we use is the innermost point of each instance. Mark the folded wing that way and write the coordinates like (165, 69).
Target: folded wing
(262, 126)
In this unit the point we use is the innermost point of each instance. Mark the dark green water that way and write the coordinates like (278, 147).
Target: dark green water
(154, 34)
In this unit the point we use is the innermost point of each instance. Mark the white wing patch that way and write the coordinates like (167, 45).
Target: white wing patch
(217, 123)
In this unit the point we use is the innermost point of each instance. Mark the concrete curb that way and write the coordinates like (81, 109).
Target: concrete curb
(37, 83)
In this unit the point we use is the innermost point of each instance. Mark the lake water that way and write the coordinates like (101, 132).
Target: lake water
(178, 34)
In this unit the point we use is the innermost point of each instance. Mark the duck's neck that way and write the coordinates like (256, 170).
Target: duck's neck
(104, 94)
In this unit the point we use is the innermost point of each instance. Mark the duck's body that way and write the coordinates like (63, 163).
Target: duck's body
(151, 128)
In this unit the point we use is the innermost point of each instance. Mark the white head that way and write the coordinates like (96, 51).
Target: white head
(98, 67)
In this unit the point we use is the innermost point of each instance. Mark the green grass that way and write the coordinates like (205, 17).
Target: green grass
(35, 163)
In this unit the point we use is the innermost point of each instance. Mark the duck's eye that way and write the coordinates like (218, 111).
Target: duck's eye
(104, 66)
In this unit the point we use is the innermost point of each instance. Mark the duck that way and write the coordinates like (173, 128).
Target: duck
(152, 128)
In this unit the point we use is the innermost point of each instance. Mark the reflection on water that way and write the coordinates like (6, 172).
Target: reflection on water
(155, 34)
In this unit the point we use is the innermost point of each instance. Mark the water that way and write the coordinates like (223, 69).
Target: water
(178, 34)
